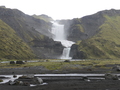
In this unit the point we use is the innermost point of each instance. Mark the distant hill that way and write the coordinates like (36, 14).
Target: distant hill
(43, 17)
(11, 46)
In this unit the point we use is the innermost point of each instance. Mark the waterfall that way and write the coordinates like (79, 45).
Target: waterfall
(60, 35)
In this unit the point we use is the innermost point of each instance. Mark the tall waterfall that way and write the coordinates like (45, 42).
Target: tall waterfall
(60, 35)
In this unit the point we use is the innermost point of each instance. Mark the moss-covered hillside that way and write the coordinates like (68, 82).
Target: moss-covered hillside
(33, 32)
(106, 43)
(11, 46)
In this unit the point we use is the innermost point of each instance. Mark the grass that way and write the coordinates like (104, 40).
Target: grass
(73, 65)
(11, 46)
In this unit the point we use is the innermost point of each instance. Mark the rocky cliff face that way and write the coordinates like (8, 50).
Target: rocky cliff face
(34, 32)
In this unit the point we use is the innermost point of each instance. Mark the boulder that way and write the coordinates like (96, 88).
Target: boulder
(109, 76)
(12, 62)
(39, 80)
(67, 61)
(117, 68)
(20, 62)
(85, 78)
(11, 82)
(26, 84)
(14, 76)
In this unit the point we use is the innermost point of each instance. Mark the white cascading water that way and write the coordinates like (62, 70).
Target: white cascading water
(60, 35)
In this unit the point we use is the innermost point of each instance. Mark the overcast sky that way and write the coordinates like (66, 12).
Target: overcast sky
(61, 9)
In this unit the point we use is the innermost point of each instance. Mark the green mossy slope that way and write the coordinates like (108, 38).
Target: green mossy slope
(106, 43)
(11, 46)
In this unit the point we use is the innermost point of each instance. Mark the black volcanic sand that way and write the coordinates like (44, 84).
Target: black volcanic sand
(70, 85)
(63, 84)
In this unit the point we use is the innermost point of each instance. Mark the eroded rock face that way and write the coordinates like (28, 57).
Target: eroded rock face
(74, 49)
(76, 54)
(47, 48)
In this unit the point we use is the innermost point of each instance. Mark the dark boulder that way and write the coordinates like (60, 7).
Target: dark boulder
(109, 76)
(67, 61)
(117, 68)
(85, 78)
(40, 81)
(20, 62)
(12, 62)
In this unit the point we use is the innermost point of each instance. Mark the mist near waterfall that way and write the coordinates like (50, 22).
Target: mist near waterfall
(58, 31)
(61, 36)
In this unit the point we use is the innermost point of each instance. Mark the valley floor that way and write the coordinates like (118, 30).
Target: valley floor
(64, 84)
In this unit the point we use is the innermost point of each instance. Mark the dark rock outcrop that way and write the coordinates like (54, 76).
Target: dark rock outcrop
(74, 49)
(76, 54)
(50, 48)
(80, 55)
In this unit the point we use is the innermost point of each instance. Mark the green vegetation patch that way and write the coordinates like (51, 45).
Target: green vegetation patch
(106, 43)
(11, 46)
(73, 65)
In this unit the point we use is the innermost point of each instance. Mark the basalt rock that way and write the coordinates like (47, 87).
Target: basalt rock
(76, 54)
(47, 48)
(74, 49)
